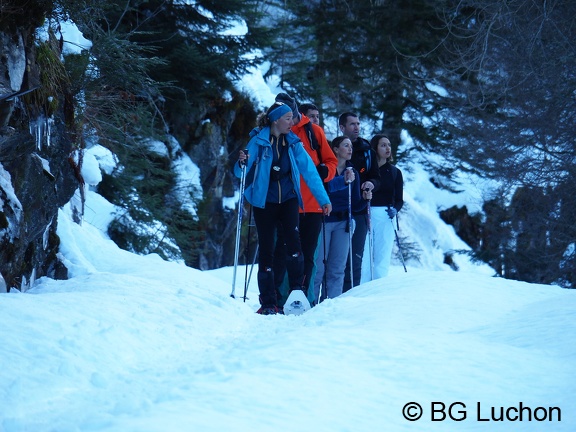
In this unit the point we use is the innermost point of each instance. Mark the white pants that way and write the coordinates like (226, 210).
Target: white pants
(383, 242)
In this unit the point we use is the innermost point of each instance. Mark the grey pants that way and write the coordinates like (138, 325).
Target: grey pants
(337, 244)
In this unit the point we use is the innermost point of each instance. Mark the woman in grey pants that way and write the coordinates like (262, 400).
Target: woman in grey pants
(335, 236)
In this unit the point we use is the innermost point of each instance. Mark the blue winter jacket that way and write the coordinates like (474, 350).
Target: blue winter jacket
(260, 153)
(338, 192)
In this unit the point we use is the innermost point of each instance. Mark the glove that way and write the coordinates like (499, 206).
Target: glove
(392, 212)
(322, 171)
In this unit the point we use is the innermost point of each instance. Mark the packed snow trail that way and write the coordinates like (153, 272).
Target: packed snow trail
(133, 343)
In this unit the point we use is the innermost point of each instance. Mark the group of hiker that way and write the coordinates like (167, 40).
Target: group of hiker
(315, 203)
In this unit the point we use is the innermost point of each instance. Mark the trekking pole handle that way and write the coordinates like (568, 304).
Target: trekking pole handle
(243, 162)
(366, 190)
(349, 169)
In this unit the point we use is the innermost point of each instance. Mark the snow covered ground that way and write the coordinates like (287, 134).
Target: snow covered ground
(134, 343)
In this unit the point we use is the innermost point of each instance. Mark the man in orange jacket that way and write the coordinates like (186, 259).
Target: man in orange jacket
(311, 111)
(317, 147)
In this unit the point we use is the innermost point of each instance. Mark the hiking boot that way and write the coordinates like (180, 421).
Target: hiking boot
(269, 310)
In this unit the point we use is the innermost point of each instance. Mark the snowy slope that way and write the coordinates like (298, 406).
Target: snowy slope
(133, 343)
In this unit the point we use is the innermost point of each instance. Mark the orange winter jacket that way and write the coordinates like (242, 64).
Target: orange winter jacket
(323, 155)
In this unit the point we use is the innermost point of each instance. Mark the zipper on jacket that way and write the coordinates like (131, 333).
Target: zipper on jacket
(278, 142)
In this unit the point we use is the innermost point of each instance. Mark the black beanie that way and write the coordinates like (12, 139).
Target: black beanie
(286, 99)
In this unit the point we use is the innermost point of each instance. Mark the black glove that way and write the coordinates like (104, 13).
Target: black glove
(322, 171)
(391, 212)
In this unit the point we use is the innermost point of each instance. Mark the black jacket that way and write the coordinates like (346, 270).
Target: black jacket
(365, 162)
(390, 193)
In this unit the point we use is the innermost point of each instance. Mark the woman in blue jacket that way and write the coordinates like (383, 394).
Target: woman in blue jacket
(277, 159)
(334, 244)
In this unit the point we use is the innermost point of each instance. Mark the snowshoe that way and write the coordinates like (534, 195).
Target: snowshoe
(297, 303)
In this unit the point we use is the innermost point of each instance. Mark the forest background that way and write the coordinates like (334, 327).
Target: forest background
(481, 87)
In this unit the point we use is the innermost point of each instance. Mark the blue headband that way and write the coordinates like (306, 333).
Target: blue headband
(278, 112)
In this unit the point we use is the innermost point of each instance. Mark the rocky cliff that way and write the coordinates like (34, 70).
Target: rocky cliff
(37, 170)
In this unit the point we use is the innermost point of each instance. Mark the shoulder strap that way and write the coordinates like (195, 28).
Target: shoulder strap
(311, 136)
(367, 152)
(368, 159)
(313, 140)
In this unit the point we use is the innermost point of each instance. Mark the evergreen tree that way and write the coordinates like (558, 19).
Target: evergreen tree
(487, 85)
(356, 56)
(159, 67)
(511, 116)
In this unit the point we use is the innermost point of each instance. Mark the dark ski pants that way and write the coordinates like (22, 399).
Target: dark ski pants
(310, 226)
(267, 221)
(358, 243)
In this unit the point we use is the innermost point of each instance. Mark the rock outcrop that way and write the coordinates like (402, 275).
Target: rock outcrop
(37, 173)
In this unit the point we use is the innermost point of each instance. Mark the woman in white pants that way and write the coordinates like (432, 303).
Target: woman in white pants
(386, 203)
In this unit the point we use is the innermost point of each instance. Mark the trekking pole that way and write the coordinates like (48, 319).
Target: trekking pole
(239, 224)
(398, 243)
(323, 287)
(370, 241)
(350, 230)
(247, 284)
(246, 250)
(247, 276)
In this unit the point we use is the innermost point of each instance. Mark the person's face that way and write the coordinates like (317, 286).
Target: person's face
(314, 116)
(344, 150)
(384, 149)
(352, 128)
(284, 123)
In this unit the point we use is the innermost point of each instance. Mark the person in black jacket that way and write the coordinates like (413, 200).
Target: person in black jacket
(364, 161)
(386, 202)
